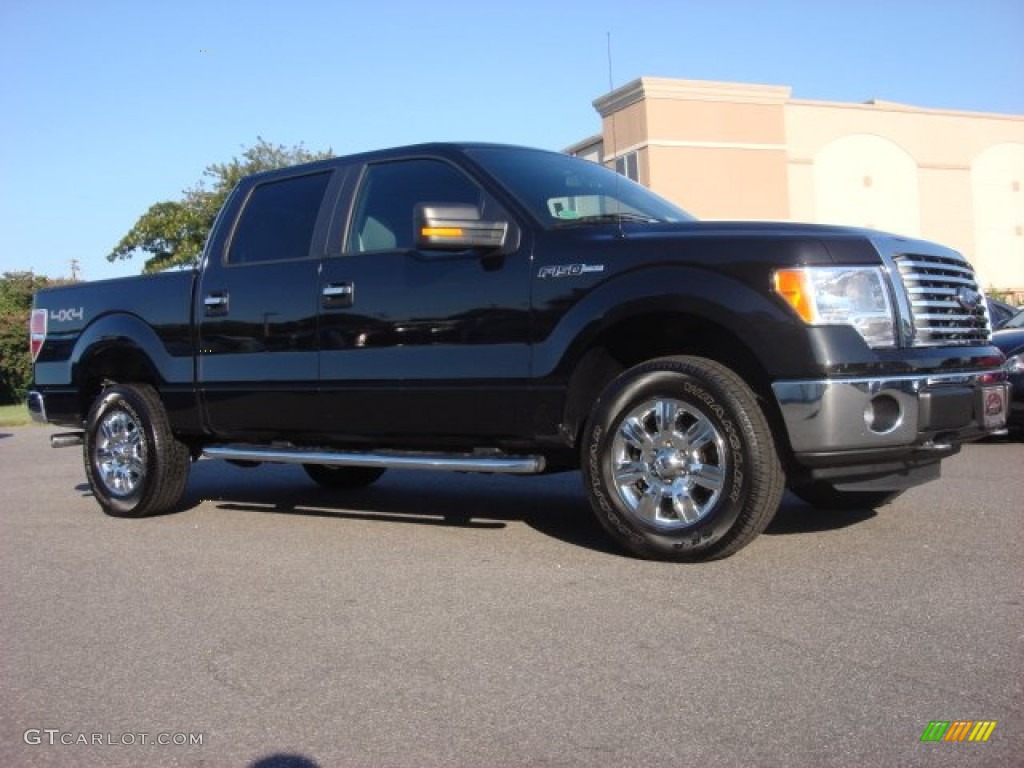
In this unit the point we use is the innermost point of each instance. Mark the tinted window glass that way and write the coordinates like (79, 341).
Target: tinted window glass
(566, 191)
(389, 193)
(278, 220)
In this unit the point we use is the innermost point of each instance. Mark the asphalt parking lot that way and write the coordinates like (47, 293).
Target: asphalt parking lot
(455, 620)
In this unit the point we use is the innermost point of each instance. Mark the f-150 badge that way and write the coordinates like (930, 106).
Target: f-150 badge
(568, 270)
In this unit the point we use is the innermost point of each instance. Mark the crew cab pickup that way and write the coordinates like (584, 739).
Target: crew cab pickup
(487, 308)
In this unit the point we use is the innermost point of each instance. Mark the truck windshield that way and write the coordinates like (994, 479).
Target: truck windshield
(565, 191)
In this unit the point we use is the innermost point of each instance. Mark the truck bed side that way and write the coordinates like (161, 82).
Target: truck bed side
(85, 342)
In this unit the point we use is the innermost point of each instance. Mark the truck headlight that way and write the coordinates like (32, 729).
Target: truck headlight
(1015, 363)
(854, 296)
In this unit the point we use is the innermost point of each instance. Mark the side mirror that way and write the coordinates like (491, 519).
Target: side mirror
(456, 227)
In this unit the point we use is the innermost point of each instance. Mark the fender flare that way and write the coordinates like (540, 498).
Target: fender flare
(765, 326)
(125, 330)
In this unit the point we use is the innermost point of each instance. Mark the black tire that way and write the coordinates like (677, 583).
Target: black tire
(679, 462)
(343, 478)
(825, 495)
(133, 462)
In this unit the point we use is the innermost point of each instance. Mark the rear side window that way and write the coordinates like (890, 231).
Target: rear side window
(278, 220)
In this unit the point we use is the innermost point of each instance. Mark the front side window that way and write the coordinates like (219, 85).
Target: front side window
(278, 220)
(383, 219)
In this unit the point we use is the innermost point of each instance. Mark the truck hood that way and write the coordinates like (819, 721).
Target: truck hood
(758, 229)
(844, 243)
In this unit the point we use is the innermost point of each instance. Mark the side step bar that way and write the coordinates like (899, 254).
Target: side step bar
(66, 439)
(497, 463)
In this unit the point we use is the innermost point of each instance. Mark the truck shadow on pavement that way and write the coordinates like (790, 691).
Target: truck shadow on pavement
(795, 517)
(554, 505)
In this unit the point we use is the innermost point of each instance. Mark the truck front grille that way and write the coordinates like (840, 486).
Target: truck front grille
(946, 303)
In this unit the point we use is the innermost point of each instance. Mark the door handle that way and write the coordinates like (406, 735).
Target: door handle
(215, 304)
(338, 295)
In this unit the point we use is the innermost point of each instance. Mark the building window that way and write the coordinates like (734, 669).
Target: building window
(628, 166)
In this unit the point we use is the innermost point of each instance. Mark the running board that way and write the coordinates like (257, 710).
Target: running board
(497, 463)
(67, 439)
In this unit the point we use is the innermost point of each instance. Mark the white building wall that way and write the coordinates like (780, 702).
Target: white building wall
(997, 181)
(867, 181)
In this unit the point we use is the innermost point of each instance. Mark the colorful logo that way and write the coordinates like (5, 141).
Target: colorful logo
(958, 730)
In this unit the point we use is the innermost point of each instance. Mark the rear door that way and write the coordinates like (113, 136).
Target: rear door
(418, 343)
(256, 308)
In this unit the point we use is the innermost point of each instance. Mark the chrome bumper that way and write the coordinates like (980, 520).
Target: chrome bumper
(36, 406)
(838, 415)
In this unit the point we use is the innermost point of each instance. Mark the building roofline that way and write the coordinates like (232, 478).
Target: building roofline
(879, 105)
(590, 141)
(753, 93)
(689, 90)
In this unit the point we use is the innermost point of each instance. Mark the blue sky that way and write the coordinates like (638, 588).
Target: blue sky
(109, 107)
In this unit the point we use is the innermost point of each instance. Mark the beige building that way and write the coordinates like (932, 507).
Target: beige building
(735, 150)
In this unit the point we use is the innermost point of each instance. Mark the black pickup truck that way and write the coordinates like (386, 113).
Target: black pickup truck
(488, 308)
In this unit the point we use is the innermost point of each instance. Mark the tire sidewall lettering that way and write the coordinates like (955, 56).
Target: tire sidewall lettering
(598, 496)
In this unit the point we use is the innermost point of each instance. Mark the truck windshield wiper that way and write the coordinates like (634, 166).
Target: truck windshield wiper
(602, 218)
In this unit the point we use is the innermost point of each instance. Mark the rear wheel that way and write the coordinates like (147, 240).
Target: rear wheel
(826, 496)
(343, 478)
(134, 464)
(679, 461)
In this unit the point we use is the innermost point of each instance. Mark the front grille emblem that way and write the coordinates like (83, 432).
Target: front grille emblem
(968, 298)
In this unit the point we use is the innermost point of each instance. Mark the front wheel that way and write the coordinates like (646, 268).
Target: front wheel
(679, 461)
(134, 464)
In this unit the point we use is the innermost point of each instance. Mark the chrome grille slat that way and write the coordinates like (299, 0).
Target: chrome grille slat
(943, 264)
(944, 317)
(934, 285)
(938, 281)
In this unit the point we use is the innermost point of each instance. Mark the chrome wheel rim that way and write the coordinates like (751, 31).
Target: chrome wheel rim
(120, 453)
(669, 463)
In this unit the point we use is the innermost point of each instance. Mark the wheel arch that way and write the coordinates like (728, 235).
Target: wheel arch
(115, 361)
(663, 332)
(121, 347)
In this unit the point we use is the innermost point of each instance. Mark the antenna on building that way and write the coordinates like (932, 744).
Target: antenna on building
(615, 159)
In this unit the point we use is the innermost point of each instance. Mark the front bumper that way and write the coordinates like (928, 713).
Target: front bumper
(838, 427)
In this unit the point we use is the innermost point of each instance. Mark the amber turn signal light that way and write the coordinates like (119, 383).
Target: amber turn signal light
(795, 287)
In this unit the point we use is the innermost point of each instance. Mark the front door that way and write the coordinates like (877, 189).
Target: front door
(417, 343)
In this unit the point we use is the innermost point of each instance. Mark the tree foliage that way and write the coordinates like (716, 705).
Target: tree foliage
(173, 232)
(16, 289)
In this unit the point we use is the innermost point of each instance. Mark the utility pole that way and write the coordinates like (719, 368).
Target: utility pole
(74, 270)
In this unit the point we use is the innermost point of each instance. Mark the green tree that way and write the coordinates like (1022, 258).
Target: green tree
(16, 289)
(173, 232)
